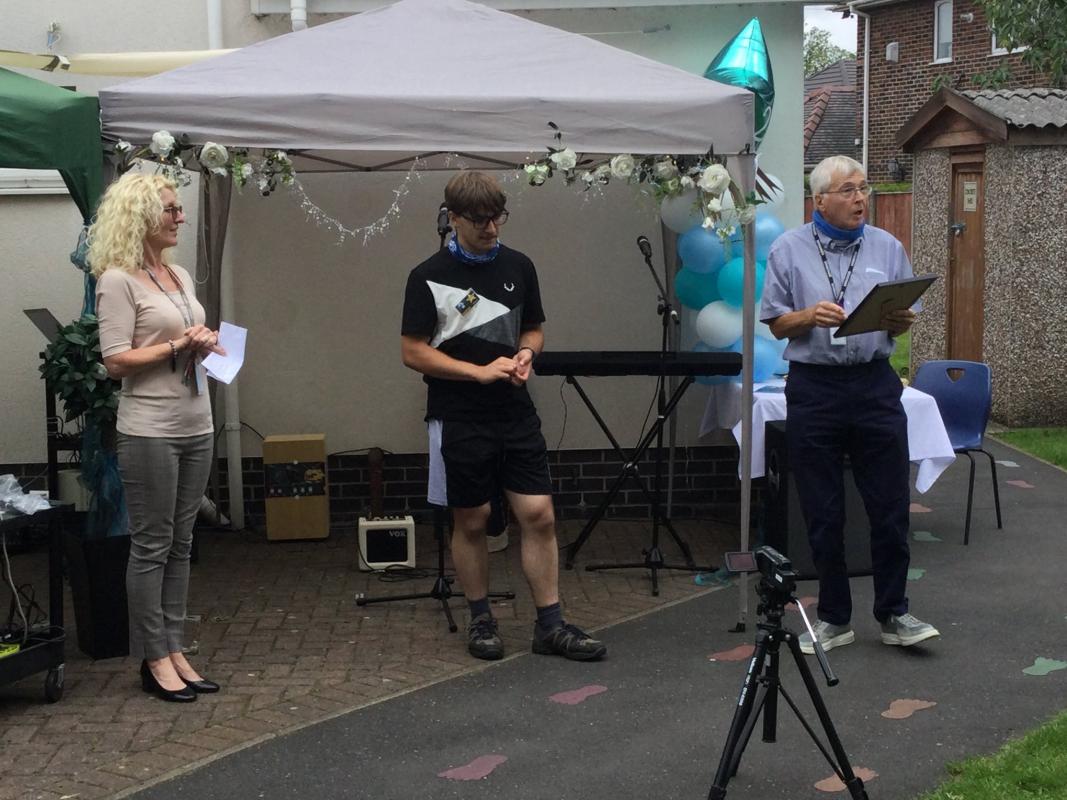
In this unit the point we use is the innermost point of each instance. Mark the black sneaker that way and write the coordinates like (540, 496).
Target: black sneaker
(483, 641)
(568, 641)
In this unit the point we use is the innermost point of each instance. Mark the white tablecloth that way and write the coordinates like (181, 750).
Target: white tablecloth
(928, 443)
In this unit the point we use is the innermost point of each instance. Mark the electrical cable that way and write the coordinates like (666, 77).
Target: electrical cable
(14, 590)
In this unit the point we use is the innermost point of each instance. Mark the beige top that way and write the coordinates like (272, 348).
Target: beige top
(154, 402)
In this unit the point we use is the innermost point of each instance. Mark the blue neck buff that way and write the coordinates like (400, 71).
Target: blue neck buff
(456, 249)
(835, 233)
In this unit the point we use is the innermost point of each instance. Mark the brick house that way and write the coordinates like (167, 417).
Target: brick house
(914, 43)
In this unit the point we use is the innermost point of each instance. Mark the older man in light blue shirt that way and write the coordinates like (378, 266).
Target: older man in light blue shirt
(843, 398)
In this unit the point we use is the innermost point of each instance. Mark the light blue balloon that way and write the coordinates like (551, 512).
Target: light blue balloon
(695, 289)
(768, 228)
(709, 380)
(766, 361)
(700, 250)
(731, 281)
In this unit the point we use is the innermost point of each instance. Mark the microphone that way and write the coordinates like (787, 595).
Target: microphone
(442, 220)
(644, 246)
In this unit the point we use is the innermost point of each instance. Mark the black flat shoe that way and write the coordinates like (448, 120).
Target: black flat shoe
(151, 685)
(202, 686)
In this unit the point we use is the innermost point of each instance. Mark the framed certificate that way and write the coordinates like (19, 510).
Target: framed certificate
(886, 296)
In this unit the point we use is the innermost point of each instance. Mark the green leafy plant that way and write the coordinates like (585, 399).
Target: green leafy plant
(74, 371)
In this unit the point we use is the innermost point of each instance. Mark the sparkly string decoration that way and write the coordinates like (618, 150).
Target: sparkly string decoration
(324, 220)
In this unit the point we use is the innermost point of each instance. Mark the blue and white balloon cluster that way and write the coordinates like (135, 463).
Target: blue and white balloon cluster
(711, 281)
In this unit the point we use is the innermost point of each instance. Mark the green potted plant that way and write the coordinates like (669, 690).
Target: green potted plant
(97, 551)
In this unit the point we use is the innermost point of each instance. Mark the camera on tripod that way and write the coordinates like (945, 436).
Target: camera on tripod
(776, 569)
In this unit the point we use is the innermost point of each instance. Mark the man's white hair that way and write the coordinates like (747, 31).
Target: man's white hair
(822, 177)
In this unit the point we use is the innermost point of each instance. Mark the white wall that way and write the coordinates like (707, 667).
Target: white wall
(324, 317)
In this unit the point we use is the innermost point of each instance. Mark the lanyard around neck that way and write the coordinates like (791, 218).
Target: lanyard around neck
(838, 298)
(187, 311)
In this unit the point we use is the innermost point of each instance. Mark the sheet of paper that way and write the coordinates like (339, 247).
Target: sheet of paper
(225, 368)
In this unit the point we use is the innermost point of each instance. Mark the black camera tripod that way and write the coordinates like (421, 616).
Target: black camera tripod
(760, 690)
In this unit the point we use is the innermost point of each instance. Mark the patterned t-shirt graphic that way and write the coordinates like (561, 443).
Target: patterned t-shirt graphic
(473, 313)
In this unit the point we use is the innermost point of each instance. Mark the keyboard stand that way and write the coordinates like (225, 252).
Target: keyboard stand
(653, 556)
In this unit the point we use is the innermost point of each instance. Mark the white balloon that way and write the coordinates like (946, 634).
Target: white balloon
(719, 324)
(681, 212)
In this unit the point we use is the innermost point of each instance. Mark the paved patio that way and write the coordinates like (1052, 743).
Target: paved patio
(279, 629)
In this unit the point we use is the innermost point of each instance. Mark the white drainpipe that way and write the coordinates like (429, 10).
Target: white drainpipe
(866, 77)
(214, 24)
(298, 11)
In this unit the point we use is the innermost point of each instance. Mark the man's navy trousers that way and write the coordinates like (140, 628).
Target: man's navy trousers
(853, 410)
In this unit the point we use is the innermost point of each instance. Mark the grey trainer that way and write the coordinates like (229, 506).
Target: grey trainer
(829, 636)
(483, 641)
(906, 630)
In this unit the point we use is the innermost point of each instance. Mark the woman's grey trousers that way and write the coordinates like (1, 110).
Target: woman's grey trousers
(164, 479)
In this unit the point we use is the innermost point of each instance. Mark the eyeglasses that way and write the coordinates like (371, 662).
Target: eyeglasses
(483, 222)
(174, 211)
(851, 191)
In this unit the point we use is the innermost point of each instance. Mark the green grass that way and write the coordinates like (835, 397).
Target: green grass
(1032, 768)
(1049, 444)
(901, 358)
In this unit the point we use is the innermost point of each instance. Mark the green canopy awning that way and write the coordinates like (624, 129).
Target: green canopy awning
(46, 127)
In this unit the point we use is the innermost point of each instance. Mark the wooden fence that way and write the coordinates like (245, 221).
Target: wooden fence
(890, 212)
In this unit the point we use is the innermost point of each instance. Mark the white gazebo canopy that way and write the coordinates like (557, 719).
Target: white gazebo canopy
(425, 77)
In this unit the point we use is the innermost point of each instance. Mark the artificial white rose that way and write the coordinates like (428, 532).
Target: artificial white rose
(708, 223)
(213, 156)
(622, 166)
(687, 182)
(713, 205)
(162, 143)
(264, 185)
(714, 179)
(664, 169)
(587, 177)
(671, 186)
(246, 171)
(536, 174)
(564, 159)
(747, 214)
(122, 146)
(282, 158)
(602, 174)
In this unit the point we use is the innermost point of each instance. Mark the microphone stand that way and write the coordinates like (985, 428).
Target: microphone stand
(653, 560)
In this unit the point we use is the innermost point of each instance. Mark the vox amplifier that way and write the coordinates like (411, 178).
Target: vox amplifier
(386, 542)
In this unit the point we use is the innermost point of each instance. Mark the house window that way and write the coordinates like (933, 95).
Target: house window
(943, 30)
(1003, 51)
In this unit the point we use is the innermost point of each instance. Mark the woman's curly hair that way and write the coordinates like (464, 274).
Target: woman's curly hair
(131, 209)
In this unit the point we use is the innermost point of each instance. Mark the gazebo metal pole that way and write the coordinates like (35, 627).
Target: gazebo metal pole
(234, 477)
(746, 167)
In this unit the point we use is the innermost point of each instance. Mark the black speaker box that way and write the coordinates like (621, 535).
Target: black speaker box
(783, 521)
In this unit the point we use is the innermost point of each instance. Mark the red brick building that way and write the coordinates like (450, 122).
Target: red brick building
(914, 43)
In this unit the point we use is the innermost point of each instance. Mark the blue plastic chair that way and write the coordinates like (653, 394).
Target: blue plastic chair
(964, 403)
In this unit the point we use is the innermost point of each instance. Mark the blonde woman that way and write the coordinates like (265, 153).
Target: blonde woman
(152, 337)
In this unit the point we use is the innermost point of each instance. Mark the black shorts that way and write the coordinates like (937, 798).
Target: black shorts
(480, 458)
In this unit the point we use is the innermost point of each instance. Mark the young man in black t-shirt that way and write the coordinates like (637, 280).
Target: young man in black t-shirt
(472, 327)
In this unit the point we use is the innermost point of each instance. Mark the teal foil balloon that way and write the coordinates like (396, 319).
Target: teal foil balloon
(745, 63)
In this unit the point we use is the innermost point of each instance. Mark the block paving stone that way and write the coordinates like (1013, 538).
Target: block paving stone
(279, 628)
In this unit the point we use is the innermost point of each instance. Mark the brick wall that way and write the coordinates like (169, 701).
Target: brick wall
(899, 89)
(705, 484)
